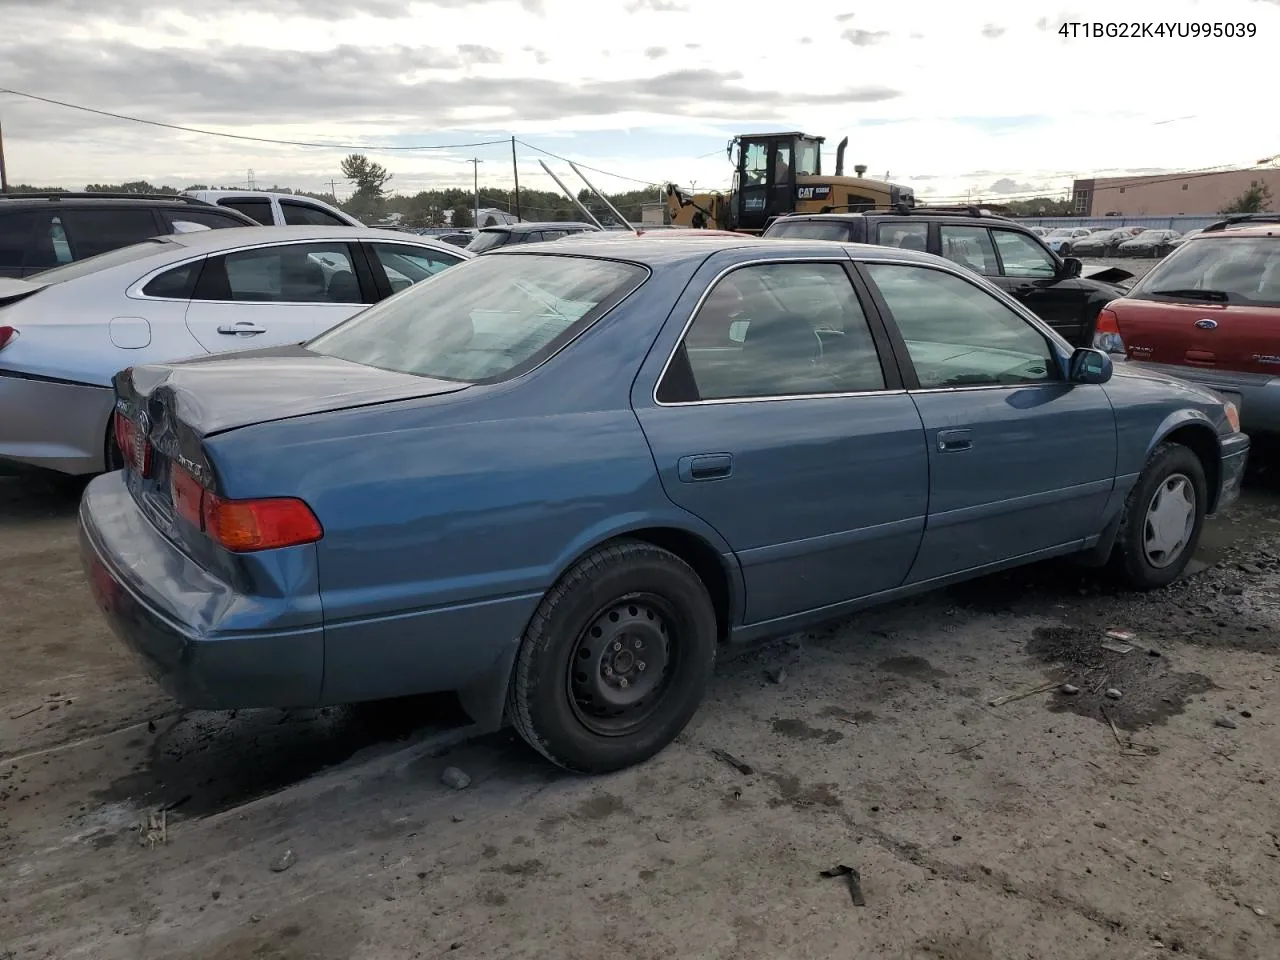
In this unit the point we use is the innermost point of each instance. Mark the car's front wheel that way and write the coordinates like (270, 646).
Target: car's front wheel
(616, 659)
(1163, 518)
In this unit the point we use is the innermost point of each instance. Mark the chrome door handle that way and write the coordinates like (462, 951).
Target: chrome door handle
(244, 328)
(951, 441)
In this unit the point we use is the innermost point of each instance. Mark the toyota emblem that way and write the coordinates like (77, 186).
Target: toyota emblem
(1206, 324)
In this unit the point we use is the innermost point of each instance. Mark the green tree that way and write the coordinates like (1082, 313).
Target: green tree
(370, 180)
(462, 217)
(1254, 200)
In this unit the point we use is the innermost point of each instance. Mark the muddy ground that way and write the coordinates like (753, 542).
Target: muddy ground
(1049, 826)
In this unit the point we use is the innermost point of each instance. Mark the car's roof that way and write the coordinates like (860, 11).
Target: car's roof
(236, 236)
(680, 249)
(921, 213)
(1241, 230)
(79, 199)
(527, 227)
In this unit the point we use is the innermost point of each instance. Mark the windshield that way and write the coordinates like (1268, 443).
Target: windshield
(485, 319)
(810, 229)
(487, 240)
(1241, 270)
(103, 261)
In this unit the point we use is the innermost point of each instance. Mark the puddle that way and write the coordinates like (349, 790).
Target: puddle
(1151, 691)
(209, 762)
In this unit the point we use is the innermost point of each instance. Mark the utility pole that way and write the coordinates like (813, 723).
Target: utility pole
(4, 176)
(515, 170)
(475, 176)
(333, 190)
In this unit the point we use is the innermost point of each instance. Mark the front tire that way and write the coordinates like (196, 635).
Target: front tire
(1163, 517)
(616, 659)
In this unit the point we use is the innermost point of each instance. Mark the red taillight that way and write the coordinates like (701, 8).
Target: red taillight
(7, 336)
(1106, 334)
(135, 449)
(243, 526)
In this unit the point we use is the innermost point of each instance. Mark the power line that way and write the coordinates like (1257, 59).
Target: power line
(241, 136)
(606, 173)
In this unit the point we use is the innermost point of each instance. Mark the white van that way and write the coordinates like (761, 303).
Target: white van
(277, 209)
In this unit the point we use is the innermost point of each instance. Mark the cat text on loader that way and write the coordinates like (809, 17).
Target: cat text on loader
(777, 174)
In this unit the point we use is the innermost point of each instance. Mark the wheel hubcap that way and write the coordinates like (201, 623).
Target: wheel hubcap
(1171, 518)
(621, 665)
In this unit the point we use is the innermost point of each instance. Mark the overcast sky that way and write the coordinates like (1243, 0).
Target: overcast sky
(982, 95)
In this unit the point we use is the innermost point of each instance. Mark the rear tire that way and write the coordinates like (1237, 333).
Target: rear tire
(616, 659)
(1162, 519)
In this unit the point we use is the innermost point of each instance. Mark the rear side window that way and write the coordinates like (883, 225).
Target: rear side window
(484, 320)
(289, 273)
(186, 220)
(16, 238)
(259, 210)
(95, 231)
(810, 230)
(304, 214)
(970, 247)
(175, 284)
(906, 236)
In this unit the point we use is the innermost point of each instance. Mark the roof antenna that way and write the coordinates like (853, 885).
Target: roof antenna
(571, 195)
(603, 199)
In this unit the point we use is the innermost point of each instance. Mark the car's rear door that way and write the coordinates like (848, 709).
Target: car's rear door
(277, 294)
(94, 230)
(1021, 461)
(775, 414)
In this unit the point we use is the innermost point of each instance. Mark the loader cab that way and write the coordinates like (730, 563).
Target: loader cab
(767, 165)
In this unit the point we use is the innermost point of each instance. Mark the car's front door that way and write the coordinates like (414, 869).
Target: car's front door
(1020, 460)
(277, 294)
(1030, 273)
(777, 420)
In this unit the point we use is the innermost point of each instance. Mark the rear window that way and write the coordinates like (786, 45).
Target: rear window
(1242, 270)
(487, 240)
(483, 320)
(809, 230)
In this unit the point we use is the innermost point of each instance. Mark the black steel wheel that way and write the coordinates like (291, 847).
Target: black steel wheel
(615, 660)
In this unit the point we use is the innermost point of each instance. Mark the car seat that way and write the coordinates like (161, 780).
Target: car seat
(343, 287)
(912, 241)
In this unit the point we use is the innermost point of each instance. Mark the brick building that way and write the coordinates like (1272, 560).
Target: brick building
(1168, 194)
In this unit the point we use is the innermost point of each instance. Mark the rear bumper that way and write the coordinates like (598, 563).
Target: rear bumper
(1256, 394)
(165, 608)
(54, 424)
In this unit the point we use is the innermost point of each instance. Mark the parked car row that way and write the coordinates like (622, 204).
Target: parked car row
(1110, 241)
(266, 405)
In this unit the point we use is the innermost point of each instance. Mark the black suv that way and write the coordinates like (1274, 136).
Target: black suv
(43, 230)
(1000, 249)
(504, 235)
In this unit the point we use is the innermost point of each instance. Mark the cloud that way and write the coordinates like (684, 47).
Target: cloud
(991, 31)
(844, 17)
(655, 53)
(471, 54)
(657, 6)
(864, 38)
(539, 56)
(387, 88)
(1006, 185)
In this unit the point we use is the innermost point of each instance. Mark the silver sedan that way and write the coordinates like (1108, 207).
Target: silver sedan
(65, 332)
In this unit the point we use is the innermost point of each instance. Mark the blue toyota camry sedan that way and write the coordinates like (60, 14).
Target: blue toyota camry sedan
(557, 479)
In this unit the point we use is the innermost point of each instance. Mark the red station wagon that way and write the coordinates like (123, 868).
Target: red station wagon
(1210, 313)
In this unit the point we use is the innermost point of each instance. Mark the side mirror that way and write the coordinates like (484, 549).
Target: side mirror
(1072, 267)
(1089, 366)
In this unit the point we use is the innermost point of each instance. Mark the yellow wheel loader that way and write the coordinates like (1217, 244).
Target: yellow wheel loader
(776, 174)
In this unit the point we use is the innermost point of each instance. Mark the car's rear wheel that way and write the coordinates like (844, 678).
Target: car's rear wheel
(615, 660)
(1163, 518)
